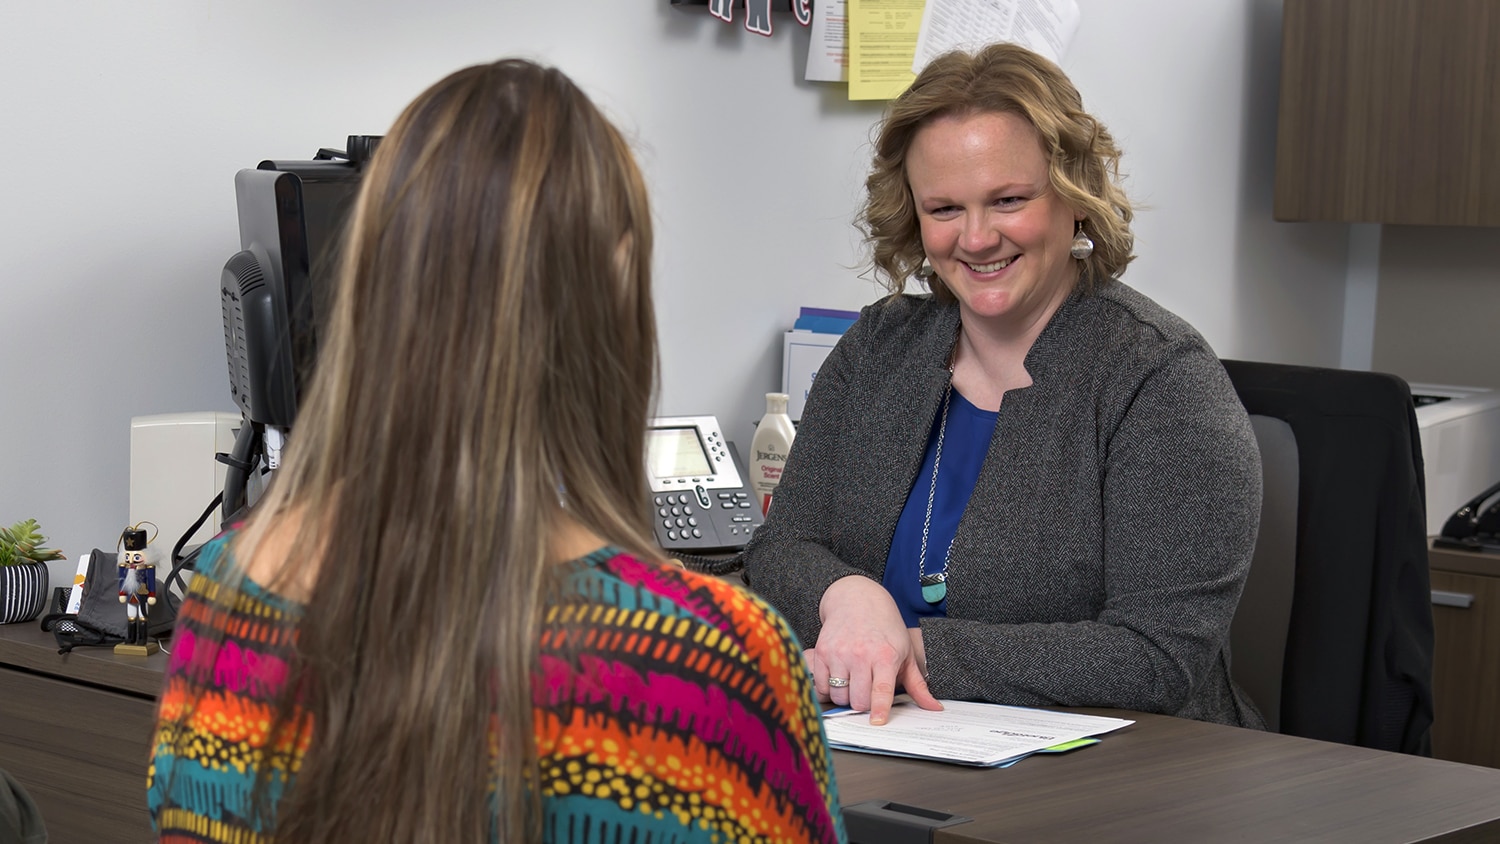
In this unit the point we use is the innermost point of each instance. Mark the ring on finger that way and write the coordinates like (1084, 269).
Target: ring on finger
(838, 682)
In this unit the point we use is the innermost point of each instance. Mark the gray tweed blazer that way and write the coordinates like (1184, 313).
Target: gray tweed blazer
(1101, 557)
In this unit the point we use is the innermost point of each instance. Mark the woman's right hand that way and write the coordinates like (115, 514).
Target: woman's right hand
(864, 640)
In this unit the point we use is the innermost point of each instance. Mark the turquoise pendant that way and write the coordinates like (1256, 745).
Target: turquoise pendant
(935, 593)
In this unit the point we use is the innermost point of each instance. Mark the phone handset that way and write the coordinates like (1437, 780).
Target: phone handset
(1473, 524)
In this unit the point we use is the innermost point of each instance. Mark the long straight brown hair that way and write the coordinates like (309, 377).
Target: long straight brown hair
(487, 372)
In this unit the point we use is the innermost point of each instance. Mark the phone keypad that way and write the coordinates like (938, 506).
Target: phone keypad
(676, 512)
(694, 515)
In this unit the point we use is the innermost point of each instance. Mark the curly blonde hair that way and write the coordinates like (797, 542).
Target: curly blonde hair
(1082, 158)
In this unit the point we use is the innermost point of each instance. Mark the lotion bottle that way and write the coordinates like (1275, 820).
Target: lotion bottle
(769, 448)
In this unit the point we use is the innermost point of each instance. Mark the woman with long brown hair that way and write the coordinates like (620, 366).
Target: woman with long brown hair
(446, 620)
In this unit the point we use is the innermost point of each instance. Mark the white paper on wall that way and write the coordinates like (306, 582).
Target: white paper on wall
(1044, 26)
(828, 50)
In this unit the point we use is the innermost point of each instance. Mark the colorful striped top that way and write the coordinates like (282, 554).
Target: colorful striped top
(683, 715)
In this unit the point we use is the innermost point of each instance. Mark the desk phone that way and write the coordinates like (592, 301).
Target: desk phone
(699, 496)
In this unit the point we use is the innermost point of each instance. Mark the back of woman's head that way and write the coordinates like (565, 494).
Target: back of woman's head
(1083, 160)
(487, 295)
(488, 365)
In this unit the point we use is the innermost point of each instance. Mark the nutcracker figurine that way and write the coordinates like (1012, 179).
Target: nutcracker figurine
(137, 593)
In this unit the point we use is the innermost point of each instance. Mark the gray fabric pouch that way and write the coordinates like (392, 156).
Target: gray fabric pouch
(101, 609)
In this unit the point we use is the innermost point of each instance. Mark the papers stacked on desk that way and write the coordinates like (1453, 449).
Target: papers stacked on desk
(983, 734)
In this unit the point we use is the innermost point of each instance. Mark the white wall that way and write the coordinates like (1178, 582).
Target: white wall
(1438, 319)
(125, 123)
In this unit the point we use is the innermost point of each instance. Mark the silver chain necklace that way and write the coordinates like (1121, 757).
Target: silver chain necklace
(935, 586)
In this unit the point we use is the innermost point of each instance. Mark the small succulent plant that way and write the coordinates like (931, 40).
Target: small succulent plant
(22, 543)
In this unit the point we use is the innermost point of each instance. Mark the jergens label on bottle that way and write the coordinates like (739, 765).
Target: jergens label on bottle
(769, 448)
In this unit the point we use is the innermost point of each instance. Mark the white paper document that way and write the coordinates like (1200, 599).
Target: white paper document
(1043, 26)
(828, 51)
(983, 734)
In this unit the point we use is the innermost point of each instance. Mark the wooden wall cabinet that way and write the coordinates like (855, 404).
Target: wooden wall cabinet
(1390, 112)
(1466, 656)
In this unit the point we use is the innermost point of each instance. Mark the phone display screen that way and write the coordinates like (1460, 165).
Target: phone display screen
(676, 453)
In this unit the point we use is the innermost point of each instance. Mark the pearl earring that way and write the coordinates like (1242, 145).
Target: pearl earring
(1082, 245)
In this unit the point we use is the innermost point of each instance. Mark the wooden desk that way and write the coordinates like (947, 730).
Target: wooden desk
(1165, 779)
(75, 731)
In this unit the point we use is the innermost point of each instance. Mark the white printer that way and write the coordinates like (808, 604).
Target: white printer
(1460, 430)
(174, 475)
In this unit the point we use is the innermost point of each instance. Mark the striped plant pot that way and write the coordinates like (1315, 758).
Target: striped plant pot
(23, 591)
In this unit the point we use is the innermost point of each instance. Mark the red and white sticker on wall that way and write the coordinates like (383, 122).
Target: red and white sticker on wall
(758, 13)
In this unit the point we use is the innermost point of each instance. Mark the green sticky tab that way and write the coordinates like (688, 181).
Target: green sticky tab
(1069, 745)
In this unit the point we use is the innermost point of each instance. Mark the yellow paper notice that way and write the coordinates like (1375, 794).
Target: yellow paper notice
(882, 45)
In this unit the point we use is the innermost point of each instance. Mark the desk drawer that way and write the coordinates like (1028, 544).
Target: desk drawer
(1465, 676)
(81, 753)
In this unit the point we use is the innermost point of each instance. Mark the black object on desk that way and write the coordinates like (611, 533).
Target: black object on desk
(884, 822)
(1474, 527)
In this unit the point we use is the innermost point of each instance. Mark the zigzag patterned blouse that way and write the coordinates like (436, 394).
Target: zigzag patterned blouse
(683, 715)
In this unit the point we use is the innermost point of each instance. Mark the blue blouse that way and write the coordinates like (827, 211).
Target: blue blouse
(965, 444)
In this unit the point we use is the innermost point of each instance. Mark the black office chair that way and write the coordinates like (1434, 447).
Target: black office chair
(1333, 637)
(20, 819)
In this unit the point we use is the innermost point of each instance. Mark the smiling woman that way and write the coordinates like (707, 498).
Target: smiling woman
(1032, 532)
